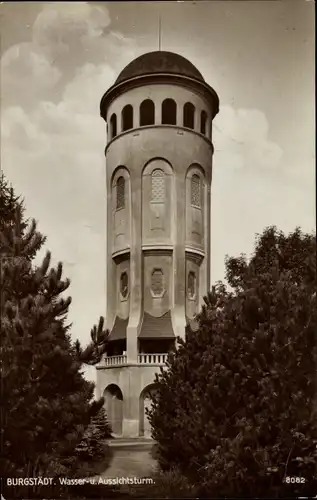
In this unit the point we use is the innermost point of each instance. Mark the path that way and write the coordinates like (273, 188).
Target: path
(131, 458)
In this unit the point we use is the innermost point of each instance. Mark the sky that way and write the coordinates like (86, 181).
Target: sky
(58, 59)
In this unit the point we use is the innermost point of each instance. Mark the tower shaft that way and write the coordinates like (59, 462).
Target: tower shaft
(159, 171)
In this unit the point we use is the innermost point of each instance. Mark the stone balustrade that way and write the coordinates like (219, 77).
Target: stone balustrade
(143, 359)
(116, 360)
(152, 359)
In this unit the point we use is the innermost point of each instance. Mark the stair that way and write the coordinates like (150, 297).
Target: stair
(123, 442)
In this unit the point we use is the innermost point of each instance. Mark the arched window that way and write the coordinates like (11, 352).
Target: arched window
(203, 122)
(124, 285)
(195, 191)
(113, 126)
(147, 113)
(169, 112)
(127, 117)
(191, 285)
(158, 186)
(189, 114)
(157, 283)
(120, 193)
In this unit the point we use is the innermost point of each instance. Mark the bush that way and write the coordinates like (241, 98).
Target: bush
(91, 445)
(235, 409)
(93, 452)
(100, 421)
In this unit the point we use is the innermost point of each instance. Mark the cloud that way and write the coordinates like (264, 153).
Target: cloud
(72, 34)
(252, 187)
(59, 135)
(26, 71)
(64, 37)
(53, 140)
(241, 138)
(63, 25)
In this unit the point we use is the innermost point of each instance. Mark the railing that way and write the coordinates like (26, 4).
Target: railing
(143, 359)
(115, 360)
(152, 359)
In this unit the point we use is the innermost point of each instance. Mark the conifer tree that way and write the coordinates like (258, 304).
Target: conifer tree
(101, 422)
(8, 203)
(235, 409)
(46, 404)
(92, 443)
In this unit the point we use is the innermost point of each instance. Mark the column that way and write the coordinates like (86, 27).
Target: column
(131, 403)
(178, 311)
(135, 269)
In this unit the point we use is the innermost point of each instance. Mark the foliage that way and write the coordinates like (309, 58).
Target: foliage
(100, 421)
(235, 409)
(46, 404)
(294, 254)
(8, 204)
(92, 444)
(94, 351)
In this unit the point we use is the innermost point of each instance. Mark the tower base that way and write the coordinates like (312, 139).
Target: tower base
(127, 391)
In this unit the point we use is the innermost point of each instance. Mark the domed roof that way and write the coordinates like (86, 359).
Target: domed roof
(159, 62)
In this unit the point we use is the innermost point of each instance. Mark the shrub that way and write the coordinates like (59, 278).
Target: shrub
(100, 421)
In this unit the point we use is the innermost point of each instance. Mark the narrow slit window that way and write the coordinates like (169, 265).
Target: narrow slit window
(196, 191)
(120, 193)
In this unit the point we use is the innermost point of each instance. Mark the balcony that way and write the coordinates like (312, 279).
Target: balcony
(143, 359)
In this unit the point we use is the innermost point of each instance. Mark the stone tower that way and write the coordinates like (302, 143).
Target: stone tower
(159, 154)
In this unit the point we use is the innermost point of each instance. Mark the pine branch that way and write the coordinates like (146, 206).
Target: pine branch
(93, 353)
